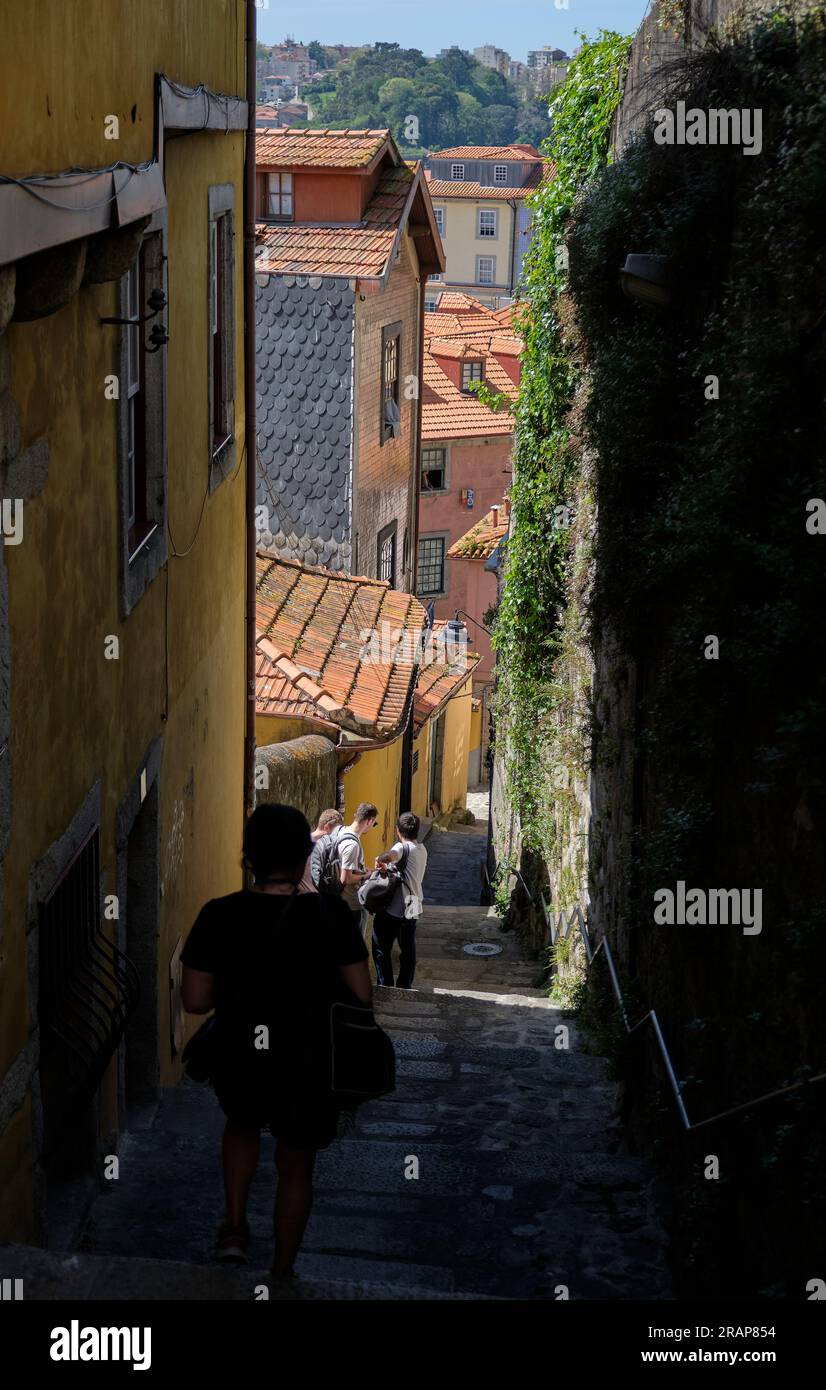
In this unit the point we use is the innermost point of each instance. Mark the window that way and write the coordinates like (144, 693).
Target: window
(485, 270)
(439, 214)
(431, 305)
(457, 171)
(434, 470)
(436, 278)
(142, 417)
(486, 225)
(386, 561)
(500, 173)
(137, 519)
(221, 333)
(390, 426)
(279, 196)
(472, 371)
(431, 564)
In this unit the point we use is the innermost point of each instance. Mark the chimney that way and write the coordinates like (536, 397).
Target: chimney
(494, 511)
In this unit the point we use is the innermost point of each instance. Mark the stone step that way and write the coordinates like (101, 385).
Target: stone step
(50, 1275)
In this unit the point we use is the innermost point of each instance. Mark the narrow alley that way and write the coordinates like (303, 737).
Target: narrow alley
(521, 1192)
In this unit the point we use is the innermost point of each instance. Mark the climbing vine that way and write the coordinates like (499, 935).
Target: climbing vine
(530, 632)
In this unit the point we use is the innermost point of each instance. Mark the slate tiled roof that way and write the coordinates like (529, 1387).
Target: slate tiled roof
(359, 250)
(447, 412)
(439, 679)
(482, 539)
(458, 188)
(304, 402)
(523, 152)
(287, 148)
(311, 648)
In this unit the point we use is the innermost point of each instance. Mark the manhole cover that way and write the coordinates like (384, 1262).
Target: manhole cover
(482, 948)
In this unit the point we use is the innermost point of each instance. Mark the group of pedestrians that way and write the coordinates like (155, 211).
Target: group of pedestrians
(268, 963)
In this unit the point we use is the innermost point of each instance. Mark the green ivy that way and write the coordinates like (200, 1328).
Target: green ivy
(529, 633)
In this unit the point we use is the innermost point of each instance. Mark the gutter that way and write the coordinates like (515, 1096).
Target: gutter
(512, 277)
(250, 426)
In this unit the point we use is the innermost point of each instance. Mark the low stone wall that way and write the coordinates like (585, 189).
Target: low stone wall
(301, 772)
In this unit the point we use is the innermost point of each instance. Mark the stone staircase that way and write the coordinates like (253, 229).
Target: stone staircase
(495, 1169)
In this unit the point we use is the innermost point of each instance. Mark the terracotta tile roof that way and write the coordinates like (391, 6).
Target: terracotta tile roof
(482, 539)
(455, 302)
(439, 676)
(447, 412)
(310, 648)
(457, 188)
(286, 147)
(523, 152)
(299, 248)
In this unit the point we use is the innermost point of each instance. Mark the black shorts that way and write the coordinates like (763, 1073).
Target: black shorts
(298, 1121)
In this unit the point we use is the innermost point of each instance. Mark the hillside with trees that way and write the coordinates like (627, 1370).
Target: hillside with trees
(454, 99)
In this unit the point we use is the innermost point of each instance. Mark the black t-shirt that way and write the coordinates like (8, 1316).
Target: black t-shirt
(276, 962)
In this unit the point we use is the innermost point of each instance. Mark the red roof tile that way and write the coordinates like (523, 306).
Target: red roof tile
(288, 148)
(300, 248)
(457, 188)
(482, 539)
(523, 152)
(444, 671)
(314, 660)
(447, 412)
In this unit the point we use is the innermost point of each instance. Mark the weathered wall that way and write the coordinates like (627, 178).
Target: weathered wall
(300, 772)
(421, 777)
(456, 716)
(78, 719)
(385, 474)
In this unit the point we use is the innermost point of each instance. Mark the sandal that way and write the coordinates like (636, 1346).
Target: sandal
(231, 1245)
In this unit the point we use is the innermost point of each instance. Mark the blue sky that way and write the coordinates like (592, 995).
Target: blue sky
(515, 25)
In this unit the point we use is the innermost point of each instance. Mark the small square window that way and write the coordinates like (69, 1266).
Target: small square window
(487, 222)
(434, 470)
(457, 171)
(500, 173)
(472, 371)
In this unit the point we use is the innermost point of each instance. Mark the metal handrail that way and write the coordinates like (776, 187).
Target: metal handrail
(562, 929)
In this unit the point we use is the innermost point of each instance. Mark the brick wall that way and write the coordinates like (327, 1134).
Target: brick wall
(385, 474)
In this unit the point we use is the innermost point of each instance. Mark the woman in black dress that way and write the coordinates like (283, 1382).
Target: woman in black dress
(271, 961)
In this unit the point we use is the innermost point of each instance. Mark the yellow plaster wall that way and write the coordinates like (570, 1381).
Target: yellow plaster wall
(462, 245)
(76, 717)
(421, 744)
(456, 748)
(376, 777)
(475, 737)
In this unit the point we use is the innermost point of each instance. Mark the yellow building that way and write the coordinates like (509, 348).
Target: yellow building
(479, 195)
(348, 657)
(122, 576)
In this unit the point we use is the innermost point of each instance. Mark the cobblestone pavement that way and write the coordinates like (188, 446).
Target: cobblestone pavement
(522, 1186)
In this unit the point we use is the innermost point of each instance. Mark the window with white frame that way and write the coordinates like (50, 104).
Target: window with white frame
(439, 214)
(279, 195)
(500, 173)
(430, 305)
(436, 278)
(431, 565)
(486, 224)
(434, 470)
(486, 270)
(472, 371)
(457, 171)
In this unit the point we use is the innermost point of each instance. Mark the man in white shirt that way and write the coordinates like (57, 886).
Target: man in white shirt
(351, 857)
(398, 921)
(327, 822)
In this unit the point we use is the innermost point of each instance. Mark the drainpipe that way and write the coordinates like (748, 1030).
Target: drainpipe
(513, 205)
(250, 429)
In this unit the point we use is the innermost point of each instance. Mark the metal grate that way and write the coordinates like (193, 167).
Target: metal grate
(87, 991)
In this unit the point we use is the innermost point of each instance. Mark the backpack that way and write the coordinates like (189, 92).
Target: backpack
(378, 891)
(325, 862)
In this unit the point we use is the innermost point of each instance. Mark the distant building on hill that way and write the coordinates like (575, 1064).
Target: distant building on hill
(479, 194)
(491, 57)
